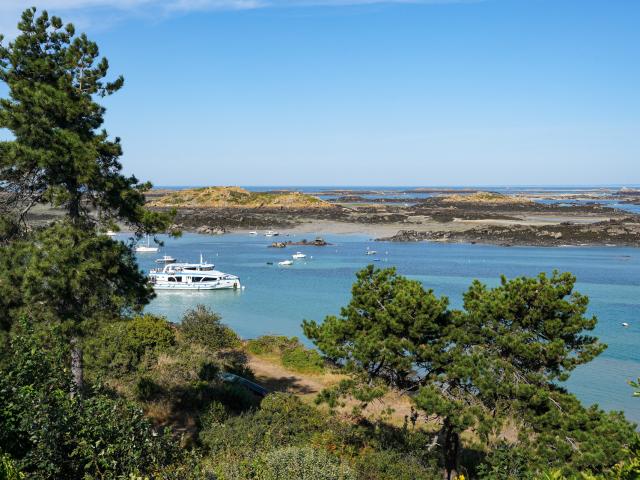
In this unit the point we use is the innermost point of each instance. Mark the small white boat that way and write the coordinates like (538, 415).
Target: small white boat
(285, 263)
(370, 252)
(146, 249)
(625, 324)
(298, 256)
(271, 233)
(253, 232)
(111, 233)
(166, 259)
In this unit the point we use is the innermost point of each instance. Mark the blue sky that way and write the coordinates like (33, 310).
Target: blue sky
(359, 92)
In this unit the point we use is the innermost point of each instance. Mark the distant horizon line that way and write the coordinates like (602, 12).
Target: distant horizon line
(292, 185)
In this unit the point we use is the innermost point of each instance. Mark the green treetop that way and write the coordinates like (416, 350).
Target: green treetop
(66, 273)
(390, 325)
(474, 369)
(59, 155)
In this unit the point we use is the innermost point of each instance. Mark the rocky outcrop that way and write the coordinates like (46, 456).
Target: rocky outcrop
(625, 232)
(485, 198)
(211, 230)
(318, 242)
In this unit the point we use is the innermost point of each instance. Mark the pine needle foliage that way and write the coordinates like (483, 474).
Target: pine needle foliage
(59, 154)
(498, 359)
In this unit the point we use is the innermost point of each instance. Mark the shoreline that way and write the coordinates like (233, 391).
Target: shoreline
(499, 233)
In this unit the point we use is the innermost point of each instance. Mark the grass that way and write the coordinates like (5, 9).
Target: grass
(289, 352)
(237, 197)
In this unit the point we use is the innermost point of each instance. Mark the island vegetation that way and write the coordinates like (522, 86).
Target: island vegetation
(93, 388)
(236, 197)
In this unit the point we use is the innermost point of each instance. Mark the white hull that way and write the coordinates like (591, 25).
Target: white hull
(223, 285)
(146, 249)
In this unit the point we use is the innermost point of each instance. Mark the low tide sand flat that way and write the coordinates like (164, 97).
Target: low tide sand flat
(586, 217)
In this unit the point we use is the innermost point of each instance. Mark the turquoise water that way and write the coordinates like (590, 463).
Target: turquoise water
(277, 299)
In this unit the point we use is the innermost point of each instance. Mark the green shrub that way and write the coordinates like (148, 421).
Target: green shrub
(202, 326)
(196, 396)
(507, 462)
(301, 463)
(50, 434)
(208, 371)
(120, 348)
(215, 414)
(281, 420)
(234, 397)
(392, 465)
(272, 344)
(303, 360)
(145, 389)
(8, 469)
(293, 354)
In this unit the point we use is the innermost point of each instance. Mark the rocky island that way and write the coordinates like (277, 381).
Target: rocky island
(467, 215)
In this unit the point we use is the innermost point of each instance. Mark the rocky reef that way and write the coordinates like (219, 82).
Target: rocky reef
(318, 242)
(623, 232)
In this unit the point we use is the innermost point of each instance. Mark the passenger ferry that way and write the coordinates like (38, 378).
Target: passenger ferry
(192, 276)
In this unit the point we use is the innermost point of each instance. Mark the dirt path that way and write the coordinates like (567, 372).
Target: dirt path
(272, 375)
(275, 377)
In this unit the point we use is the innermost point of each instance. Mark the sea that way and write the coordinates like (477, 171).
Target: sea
(275, 300)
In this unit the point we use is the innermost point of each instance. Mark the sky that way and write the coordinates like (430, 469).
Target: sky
(366, 92)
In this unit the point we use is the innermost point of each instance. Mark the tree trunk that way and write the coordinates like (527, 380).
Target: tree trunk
(450, 450)
(77, 370)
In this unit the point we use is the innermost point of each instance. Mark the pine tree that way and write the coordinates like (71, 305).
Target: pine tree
(60, 156)
(499, 359)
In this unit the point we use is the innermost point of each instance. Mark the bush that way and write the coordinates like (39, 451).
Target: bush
(120, 348)
(215, 414)
(208, 371)
(301, 463)
(391, 465)
(303, 360)
(8, 469)
(235, 398)
(272, 344)
(50, 434)
(145, 389)
(293, 354)
(204, 327)
(506, 462)
(281, 420)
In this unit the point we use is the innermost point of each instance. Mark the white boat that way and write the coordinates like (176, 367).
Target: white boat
(253, 232)
(166, 259)
(298, 256)
(146, 248)
(111, 233)
(285, 263)
(371, 252)
(192, 276)
(271, 233)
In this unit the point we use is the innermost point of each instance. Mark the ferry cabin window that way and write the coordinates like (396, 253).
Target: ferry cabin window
(196, 279)
(172, 279)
